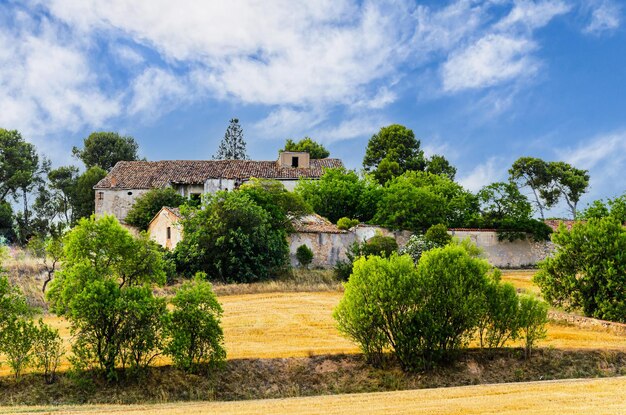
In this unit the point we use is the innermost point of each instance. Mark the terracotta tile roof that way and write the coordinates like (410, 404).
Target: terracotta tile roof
(175, 211)
(315, 223)
(152, 174)
(555, 223)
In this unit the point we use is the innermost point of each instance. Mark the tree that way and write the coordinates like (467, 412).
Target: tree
(150, 203)
(47, 351)
(397, 147)
(63, 185)
(532, 319)
(84, 196)
(18, 339)
(106, 273)
(588, 269)
(570, 182)
(196, 337)
(50, 252)
(233, 146)
(231, 238)
(503, 200)
(7, 223)
(304, 255)
(417, 200)
(340, 192)
(440, 165)
(534, 173)
(315, 150)
(18, 163)
(282, 205)
(105, 149)
(615, 208)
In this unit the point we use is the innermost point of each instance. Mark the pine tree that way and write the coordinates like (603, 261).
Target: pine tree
(233, 146)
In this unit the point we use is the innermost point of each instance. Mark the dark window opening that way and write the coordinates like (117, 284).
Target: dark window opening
(294, 162)
(169, 233)
(130, 193)
(100, 195)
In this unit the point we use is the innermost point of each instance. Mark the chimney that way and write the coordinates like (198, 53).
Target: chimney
(294, 159)
(113, 181)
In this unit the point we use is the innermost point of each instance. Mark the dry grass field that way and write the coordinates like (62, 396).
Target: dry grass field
(522, 280)
(597, 396)
(282, 325)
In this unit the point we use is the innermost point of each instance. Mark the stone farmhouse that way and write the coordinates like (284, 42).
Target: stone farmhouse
(117, 192)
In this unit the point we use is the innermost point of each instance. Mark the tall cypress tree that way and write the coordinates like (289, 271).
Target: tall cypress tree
(233, 146)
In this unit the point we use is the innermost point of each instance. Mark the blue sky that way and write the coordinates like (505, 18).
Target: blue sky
(481, 82)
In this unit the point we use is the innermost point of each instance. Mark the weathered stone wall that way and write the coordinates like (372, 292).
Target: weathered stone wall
(329, 248)
(505, 254)
(158, 229)
(116, 202)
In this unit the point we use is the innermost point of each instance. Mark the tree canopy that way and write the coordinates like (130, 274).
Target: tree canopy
(392, 151)
(232, 146)
(339, 193)
(150, 203)
(84, 195)
(104, 149)
(315, 149)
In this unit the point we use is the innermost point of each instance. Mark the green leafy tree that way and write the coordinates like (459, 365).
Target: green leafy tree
(47, 351)
(440, 165)
(19, 163)
(282, 205)
(503, 200)
(105, 149)
(105, 271)
(304, 255)
(438, 235)
(588, 269)
(195, 335)
(18, 339)
(231, 238)
(340, 192)
(500, 322)
(417, 200)
(534, 173)
(615, 208)
(380, 245)
(7, 222)
(62, 183)
(150, 203)
(50, 252)
(392, 151)
(84, 196)
(570, 182)
(532, 319)
(315, 150)
(232, 146)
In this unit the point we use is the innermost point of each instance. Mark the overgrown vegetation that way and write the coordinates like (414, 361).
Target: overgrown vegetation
(426, 314)
(588, 269)
(150, 203)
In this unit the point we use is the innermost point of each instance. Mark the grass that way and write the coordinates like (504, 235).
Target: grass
(522, 280)
(285, 325)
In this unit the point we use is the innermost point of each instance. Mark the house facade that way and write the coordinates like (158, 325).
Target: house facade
(117, 192)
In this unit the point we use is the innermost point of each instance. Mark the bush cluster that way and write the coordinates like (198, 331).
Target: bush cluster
(424, 314)
(377, 245)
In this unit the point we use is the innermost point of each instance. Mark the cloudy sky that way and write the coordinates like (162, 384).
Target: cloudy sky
(481, 82)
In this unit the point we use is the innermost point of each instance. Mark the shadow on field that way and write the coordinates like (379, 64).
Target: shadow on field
(316, 375)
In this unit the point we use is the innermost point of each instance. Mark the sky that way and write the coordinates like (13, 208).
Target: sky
(480, 82)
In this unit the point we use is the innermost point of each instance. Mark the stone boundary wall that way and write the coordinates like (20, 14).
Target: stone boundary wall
(330, 247)
(588, 322)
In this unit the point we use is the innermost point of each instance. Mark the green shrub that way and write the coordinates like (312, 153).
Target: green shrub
(304, 255)
(416, 246)
(231, 238)
(150, 203)
(438, 235)
(587, 269)
(500, 321)
(533, 316)
(18, 339)
(48, 350)
(347, 223)
(380, 245)
(195, 335)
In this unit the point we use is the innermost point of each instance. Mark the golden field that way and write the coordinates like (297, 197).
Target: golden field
(281, 325)
(597, 396)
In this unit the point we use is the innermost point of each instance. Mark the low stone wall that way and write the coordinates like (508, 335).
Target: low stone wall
(329, 248)
(505, 254)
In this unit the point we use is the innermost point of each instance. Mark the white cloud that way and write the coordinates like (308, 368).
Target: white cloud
(288, 122)
(492, 60)
(605, 16)
(358, 126)
(491, 171)
(605, 158)
(46, 84)
(533, 14)
(156, 91)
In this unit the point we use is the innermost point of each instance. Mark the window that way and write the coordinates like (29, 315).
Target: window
(294, 162)
(130, 193)
(169, 233)
(100, 195)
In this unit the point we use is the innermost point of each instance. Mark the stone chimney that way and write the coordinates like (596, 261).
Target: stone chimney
(113, 181)
(295, 159)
